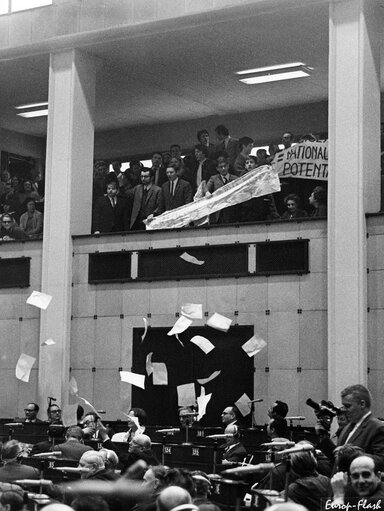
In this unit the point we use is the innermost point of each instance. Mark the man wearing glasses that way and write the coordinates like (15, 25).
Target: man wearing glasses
(31, 411)
(9, 230)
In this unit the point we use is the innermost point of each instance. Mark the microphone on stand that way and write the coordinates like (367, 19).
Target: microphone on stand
(168, 430)
(255, 401)
(252, 469)
(298, 448)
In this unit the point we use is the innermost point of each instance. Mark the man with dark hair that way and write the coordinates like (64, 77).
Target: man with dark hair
(218, 180)
(277, 428)
(175, 193)
(146, 200)
(278, 409)
(9, 230)
(11, 501)
(229, 415)
(159, 176)
(111, 213)
(73, 448)
(287, 139)
(227, 143)
(175, 150)
(31, 411)
(137, 419)
(245, 145)
(203, 138)
(202, 169)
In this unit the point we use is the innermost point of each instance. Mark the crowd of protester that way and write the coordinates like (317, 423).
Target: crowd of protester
(130, 199)
(21, 207)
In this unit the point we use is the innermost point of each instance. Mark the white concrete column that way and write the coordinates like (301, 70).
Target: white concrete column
(354, 181)
(68, 198)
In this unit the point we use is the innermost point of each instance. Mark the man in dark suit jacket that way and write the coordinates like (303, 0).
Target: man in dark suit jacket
(12, 469)
(226, 215)
(175, 193)
(202, 168)
(234, 450)
(227, 144)
(73, 448)
(111, 213)
(146, 200)
(31, 411)
(362, 429)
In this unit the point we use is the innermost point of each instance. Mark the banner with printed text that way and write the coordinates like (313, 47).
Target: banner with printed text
(308, 160)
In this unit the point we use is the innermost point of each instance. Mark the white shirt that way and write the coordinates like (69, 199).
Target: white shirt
(124, 436)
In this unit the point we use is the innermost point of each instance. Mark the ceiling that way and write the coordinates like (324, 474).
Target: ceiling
(186, 71)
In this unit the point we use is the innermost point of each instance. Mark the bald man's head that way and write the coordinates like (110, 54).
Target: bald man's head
(365, 478)
(171, 497)
(140, 443)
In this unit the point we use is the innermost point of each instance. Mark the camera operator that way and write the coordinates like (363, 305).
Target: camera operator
(362, 430)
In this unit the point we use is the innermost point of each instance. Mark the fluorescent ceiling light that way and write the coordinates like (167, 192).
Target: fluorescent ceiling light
(34, 113)
(31, 105)
(252, 80)
(270, 68)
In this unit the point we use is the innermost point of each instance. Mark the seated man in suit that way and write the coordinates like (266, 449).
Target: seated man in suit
(146, 200)
(73, 448)
(226, 215)
(111, 213)
(12, 469)
(233, 450)
(175, 193)
(31, 411)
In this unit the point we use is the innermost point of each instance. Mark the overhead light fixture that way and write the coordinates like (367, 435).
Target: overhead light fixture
(275, 73)
(34, 113)
(31, 105)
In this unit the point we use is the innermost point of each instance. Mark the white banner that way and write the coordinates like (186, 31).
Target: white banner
(308, 160)
(258, 182)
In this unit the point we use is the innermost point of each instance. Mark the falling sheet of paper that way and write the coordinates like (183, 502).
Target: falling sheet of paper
(48, 342)
(148, 364)
(186, 394)
(69, 416)
(87, 403)
(132, 418)
(178, 338)
(219, 322)
(202, 402)
(203, 381)
(133, 378)
(192, 310)
(160, 373)
(40, 300)
(145, 329)
(191, 259)
(24, 366)
(180, 326)
(203, 343)
(253, 346)
(243, 405)
(73, 388)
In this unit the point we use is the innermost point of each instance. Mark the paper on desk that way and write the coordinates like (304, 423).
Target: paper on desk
(73, 387)
(180, 326)
(133, 378)
(69, 416)
(219, 322)
(202, 402)
(160, 373)
(148, 364)
(203, 381)
(243, 405)
(192, 310)
(203, 343)
(253, 346)
(40, 300)
(24, 366)
(48, 342)
(191, 259)
(145, 329)
(186, 394)
(87, 403)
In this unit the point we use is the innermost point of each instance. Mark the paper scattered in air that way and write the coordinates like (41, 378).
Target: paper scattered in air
(192, 310)
(69, 415)
(203, 343)
(148, 364)
(191, 259)
(219, 322)
(160, 373)
(145, 329)
(203, 381)
(253, 346)
(24, 366)
(86, 402)
(243, 405)
(202, 402)
(40, 300)
(73, 388)
(178, 338)
(186, 394)
(180, 326)
(133, 378)
(48, 342)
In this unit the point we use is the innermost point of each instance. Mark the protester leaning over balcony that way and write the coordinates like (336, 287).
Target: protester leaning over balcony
(175, 193)
(31, 221)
